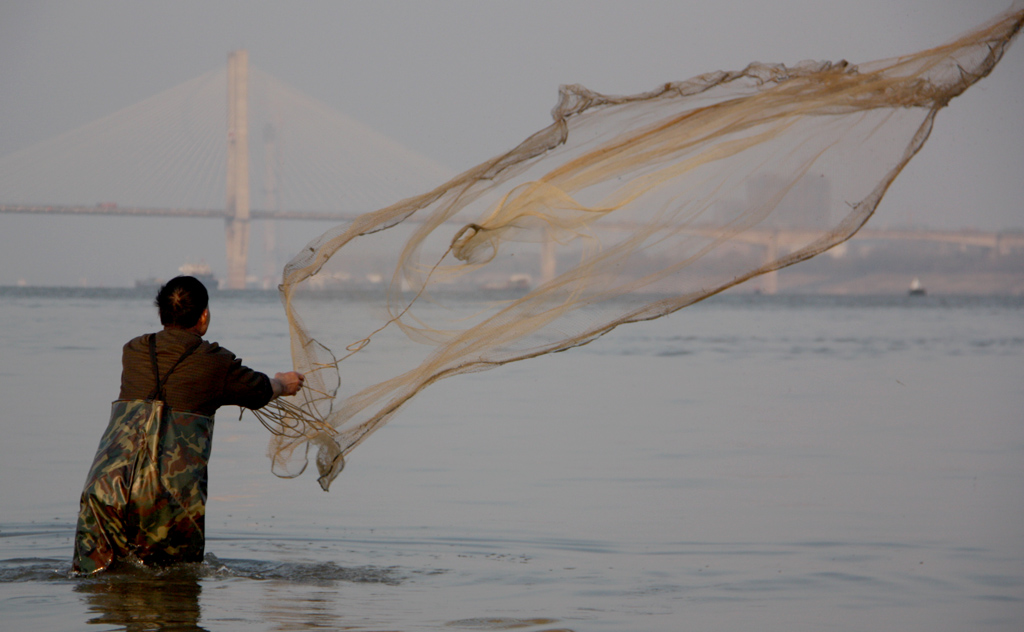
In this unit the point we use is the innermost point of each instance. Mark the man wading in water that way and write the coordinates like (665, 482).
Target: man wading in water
(145, 497)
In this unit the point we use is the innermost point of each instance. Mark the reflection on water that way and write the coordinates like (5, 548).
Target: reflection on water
(141, 600)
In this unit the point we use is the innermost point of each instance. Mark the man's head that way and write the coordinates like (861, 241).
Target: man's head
(182, 302)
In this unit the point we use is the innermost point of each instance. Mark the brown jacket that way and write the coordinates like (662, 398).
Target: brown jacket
(207, 379)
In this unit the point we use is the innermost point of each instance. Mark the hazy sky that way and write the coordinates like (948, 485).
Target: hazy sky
(460, 82)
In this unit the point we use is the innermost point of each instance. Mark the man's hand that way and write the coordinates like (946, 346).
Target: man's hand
(287, 383)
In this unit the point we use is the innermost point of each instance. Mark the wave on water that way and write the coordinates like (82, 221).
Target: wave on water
(503, 623)
(34, 569)
(299, 572)
(52, 570)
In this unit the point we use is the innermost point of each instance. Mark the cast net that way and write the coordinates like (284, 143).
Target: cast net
(624, 209)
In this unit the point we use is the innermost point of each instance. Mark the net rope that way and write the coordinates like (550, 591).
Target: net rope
(624, 209)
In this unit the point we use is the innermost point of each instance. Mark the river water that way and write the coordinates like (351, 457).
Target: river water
(750, 463)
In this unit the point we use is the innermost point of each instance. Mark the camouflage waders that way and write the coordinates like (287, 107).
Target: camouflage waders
(145, 496)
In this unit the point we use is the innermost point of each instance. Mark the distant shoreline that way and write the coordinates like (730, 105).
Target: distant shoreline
(803, 281)
(791, 287)
(78, 291)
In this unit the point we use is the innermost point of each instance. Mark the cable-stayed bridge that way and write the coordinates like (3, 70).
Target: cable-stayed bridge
(240, 145)
(235, 143)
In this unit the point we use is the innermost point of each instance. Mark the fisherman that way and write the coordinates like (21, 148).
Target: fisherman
(145, 498)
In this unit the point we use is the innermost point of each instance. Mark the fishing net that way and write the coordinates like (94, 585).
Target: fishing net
(624, 209)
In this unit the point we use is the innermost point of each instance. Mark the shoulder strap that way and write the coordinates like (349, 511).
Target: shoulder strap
(161, 382)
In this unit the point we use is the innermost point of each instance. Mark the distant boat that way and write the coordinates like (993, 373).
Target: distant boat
(202, 272)
(519, 282)
(916, 289)
(152, 283)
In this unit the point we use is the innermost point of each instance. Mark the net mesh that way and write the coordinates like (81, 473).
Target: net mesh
(624, 209)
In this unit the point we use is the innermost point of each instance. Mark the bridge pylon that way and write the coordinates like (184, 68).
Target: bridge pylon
(237, 220)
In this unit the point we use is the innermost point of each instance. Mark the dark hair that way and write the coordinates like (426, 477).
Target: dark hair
(181, 302)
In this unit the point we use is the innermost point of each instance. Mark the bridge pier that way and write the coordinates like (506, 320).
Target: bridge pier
(548, 262)
(271, 273)
(770, 280)
(237, 216)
